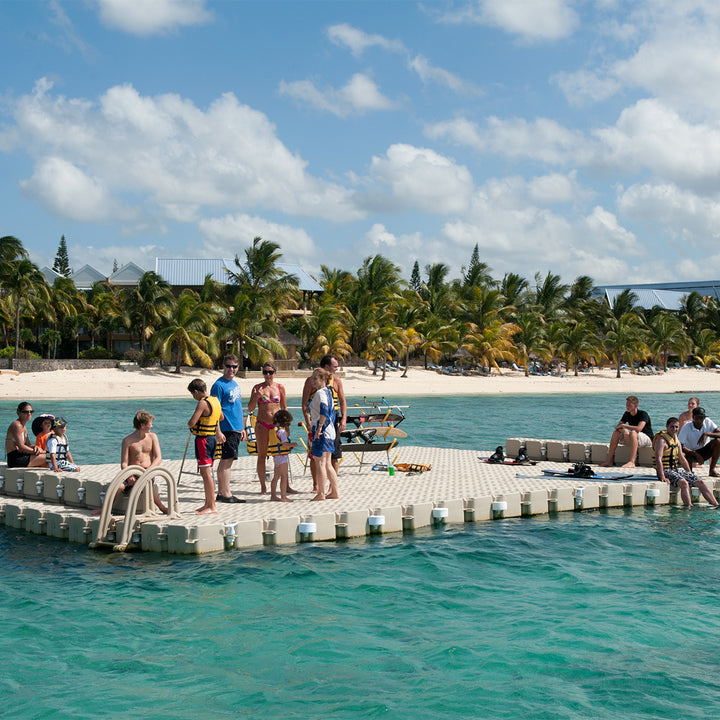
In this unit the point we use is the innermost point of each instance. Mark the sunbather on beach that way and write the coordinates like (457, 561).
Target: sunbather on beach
(672, 467)
(19, 451)
(633, 429)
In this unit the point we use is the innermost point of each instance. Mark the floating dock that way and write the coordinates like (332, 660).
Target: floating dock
(458, 489)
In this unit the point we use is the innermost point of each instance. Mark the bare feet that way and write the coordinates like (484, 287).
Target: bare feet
(285, 499)
(318, 497)
(629, 465)
(334, 496)
(290, 491)
(607, 463)
(206, 510)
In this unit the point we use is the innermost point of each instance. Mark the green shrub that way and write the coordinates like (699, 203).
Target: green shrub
(142, 359)
(97, 353)
(9, 352)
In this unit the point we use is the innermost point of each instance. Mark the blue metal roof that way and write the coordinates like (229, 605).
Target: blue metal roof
(189, 272)
(648, 298)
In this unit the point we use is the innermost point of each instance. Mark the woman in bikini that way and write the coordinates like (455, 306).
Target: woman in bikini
(269, 397)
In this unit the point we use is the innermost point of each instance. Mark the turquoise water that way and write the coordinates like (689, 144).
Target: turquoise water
(96, 428)
(610, 614)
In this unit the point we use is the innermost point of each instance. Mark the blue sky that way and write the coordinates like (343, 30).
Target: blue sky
(578, 137)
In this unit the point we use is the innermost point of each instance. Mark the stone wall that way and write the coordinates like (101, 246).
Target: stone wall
(49, 365)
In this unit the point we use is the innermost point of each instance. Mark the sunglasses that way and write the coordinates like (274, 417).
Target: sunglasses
(268, 372)
(234, 367)
(27, 412)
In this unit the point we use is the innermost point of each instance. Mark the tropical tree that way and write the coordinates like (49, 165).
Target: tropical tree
(529, 338)
(667, 336)
(624, 339)
(580, 342)
(146, 303)
(189, 330)
(25, 284)
(707, 347)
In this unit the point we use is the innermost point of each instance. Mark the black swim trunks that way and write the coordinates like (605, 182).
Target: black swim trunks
(15, 458)
(230, 446)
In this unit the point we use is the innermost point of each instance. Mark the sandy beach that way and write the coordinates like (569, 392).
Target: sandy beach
(155, 383)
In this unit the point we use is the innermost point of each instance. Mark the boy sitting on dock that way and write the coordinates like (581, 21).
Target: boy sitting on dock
(282, 420)
(672, 467)
(205, 425)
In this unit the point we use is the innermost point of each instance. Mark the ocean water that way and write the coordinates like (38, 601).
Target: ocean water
(607, 614)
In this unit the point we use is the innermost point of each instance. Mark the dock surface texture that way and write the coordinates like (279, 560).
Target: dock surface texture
(459, 488)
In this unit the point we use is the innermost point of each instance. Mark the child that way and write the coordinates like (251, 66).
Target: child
(282, 420)
(205, 425)
(57, 450)
(322, 419)
(44, 426)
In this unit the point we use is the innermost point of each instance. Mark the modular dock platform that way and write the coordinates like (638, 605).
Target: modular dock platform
(459, 488)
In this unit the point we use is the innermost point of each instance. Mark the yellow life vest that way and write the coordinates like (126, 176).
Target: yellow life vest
(274, 444)
(334, 393)
(207, 424)
(670, 454)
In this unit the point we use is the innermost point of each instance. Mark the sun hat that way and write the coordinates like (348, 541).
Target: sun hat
(38, 421)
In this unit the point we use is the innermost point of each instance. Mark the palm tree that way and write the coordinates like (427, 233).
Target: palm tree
(667, 335)
(24, 283)
(624, 338)
(11, 249)
(492, 344)
(146, 303)
(325, 332)
(580, 342)
(189, 329)
(549, 294)
(707, 347)
(529, 337)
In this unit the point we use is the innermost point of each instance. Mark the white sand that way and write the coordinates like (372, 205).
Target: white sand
(359, 382)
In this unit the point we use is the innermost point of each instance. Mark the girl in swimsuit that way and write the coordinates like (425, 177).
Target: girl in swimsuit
(269, 397)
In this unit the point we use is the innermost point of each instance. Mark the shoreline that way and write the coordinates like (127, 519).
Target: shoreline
(139, 383)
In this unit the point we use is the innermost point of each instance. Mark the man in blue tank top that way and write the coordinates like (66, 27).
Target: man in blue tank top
(227, 391)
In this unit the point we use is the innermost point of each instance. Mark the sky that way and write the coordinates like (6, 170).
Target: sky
(577, 137)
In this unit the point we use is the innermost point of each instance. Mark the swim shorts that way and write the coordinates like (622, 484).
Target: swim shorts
(205, 450)
(322, 445)
(230, 446)
(678, 474)
(15, 458)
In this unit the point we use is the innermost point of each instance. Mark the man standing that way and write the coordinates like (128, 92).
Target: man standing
(633, 430)
(700, 440)
(331, 364)
(227, 391)
(672, 467)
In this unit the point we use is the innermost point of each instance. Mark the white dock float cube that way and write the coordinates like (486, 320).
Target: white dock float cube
(536, 449)
(82, 529)
(94, 493)
(578, 452)
(352, 523)
(598, 453)
(561, 499)
(455, 508)
(248, 533)
(635, 493)
(557, 451)
(590, 497)
(35, 520)
(51, 480)
(196, 539)
(657, 493)
(513, 445)
(611, 495)
(15, 515)
(32, 478)
(324, 526)
(417, 515)
(479, 508)
(512, 501)
(281, 531)
(74, 490)
(622, 454)
(57, 523)
(393, 516)
(12, 477)
(645, 457)
(534, 502)
(153, 537)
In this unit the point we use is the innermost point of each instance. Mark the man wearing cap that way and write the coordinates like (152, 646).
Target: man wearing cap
(700, 440)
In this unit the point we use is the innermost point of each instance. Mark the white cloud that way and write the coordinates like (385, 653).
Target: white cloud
(153, 17)
(554, 188)
(430, 74)
(689, 218)
(229, 236)
(67, 191)
(358, 96)
(357, 41)
(421, 178)
(651, 135)
(167, 157)
(540, 139)
(535, 20)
